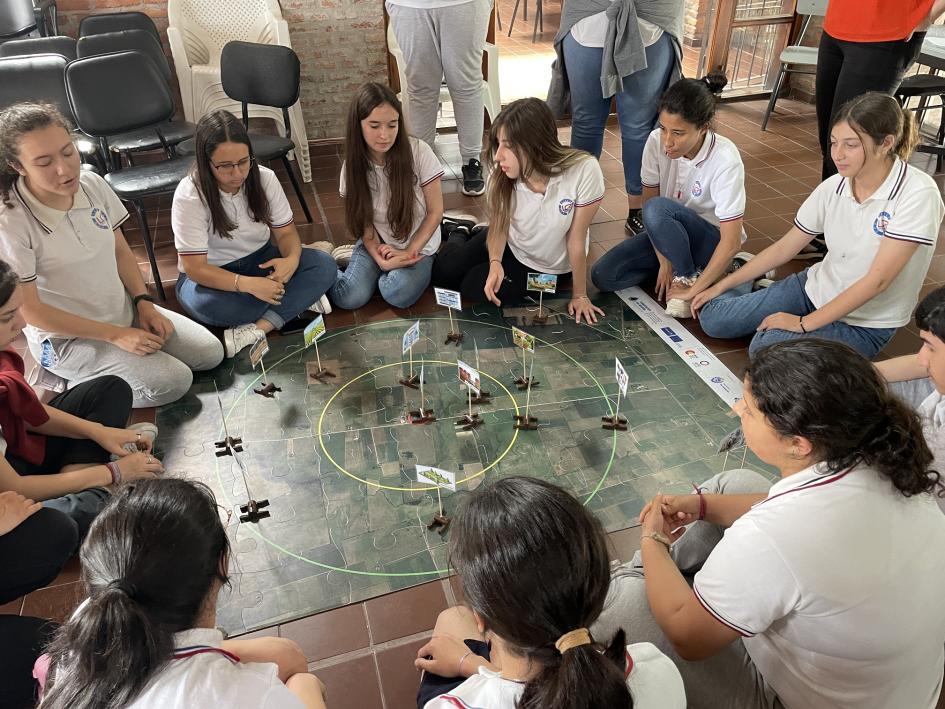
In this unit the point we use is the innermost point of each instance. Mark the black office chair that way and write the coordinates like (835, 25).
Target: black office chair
(173, 131)
(925, 87)
(105, 103)
(17, 18)
(42, 78)
(63, 46)
(265, 75)
(116, 22)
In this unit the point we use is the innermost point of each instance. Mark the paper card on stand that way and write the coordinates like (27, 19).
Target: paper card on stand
(468, 376)
(314, 330)
(258, 352)
(435, 476)
(523, 339)
(448, 298)
(411, 336)
(545, 282)
(623, 379)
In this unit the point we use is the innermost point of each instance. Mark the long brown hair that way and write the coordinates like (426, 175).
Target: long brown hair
(15, 122)
(213, 130)
(877, 115)
(359, 170)
(530, 130)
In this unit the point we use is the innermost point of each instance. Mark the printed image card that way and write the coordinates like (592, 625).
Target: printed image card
(435, 476)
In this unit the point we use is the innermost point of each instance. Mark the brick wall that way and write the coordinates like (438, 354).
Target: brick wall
(340, 43)
(694, 22)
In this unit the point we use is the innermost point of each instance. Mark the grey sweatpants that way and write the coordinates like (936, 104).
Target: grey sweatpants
(729, 680)
(438, 42)
(155, 379)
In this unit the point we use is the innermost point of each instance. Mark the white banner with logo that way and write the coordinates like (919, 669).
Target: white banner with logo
(700, 360)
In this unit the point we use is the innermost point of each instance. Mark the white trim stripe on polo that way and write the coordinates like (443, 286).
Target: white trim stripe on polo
(922, 240)
(731, 219)
(279, 226)
(435, 177)
(707, 152)
(806, 230)
(587, 204)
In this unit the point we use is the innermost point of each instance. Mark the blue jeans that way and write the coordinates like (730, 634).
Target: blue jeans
(676, 231)
(734, 315)
(401, 287)
(637, 104)
(311, 280)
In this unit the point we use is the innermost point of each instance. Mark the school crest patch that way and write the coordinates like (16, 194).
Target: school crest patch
(696, 189)
(880, 223)
(566, 206)
(99, 218)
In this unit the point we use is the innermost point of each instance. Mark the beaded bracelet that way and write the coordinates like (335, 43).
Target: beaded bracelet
(115, 471)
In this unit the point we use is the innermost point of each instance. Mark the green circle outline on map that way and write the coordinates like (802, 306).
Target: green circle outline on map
(394, 488)
(405, 574)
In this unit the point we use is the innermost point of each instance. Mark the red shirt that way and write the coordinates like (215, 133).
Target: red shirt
(874, 20)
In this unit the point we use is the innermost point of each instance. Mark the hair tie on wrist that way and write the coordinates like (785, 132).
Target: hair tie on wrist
(573, 639)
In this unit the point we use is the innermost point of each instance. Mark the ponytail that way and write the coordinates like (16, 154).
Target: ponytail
(909, 139)
(831, 395)
(152, 557)
(583, 677)
(695, 100)
(877, 115)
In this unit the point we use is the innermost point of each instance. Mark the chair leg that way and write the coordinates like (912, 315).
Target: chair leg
(514, 13)
(774, 97)
(941, 136)
(297, 188)
(149, 246)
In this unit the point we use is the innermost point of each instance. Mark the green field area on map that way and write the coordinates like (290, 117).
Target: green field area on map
(337, 461)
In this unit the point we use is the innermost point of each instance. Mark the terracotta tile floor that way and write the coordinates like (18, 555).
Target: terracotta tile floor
(363, 652)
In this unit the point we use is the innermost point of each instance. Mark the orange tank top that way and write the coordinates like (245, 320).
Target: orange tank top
(874, 20)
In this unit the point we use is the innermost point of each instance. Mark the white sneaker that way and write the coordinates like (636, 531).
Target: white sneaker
(236, 338)
(675, 307)
(342, 255)
(743, 257)
(321, 306)
(325, 246)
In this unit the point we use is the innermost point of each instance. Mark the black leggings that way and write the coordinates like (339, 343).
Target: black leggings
(463, 264)
(31, 556)
(846, 70)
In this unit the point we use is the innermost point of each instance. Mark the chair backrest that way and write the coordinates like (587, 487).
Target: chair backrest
(116, 93)
(61, 45)
(206, 29)
(39, 77)
(125, 41)
(262, 74)
(17, 17)
(116, 22)
(817, 8)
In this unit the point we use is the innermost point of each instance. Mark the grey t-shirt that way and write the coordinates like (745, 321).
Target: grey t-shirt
(922, 396)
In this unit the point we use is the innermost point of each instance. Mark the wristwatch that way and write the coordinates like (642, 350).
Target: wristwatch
(138, 298)
(659, 537)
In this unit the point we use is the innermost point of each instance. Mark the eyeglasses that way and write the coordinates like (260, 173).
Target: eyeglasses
(243, 164)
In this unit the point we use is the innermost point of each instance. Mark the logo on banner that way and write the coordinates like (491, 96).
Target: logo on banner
(565, 206)
(881, 222)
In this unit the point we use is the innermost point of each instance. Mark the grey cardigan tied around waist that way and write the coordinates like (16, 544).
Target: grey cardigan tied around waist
(624, 53)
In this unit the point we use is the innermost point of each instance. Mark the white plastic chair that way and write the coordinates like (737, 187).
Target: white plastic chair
(197, 31)
(490, 86)
(796, 55)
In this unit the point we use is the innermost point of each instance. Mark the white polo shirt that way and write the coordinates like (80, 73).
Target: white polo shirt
(69, 255)
(836, 581)
(427, 167)
(712, 184)
(906, 207)
(652, 677)
(198, 676)
(193, 227)
(539, 223)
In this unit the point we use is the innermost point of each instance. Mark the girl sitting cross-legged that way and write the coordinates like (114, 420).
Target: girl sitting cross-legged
(241, 261)
(535, 566)
(390, 182)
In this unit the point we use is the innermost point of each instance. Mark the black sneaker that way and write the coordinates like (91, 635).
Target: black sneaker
(473, 182)
(634, 223)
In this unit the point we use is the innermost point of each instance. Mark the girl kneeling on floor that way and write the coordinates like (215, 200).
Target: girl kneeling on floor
(693, 203)
(153, 565)
(542, 198)
(390, 182)
(535, 570)
(880, 218)
(241, 261)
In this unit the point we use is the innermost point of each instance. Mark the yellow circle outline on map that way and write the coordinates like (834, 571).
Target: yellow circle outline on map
(351, 475)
